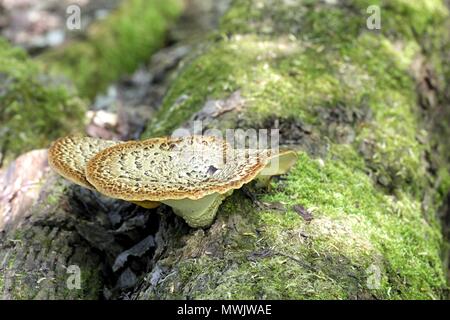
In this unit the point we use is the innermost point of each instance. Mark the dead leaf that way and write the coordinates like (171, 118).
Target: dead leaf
(304, 213)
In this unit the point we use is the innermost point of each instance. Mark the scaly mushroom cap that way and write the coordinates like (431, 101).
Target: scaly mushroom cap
(172, 168)
(69, 155)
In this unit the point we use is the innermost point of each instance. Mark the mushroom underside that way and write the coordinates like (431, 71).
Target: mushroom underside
(198, 213)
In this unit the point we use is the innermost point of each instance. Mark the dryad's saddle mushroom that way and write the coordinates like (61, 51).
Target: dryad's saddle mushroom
(191, 174)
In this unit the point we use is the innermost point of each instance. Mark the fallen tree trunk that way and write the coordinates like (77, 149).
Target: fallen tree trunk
(358, 216)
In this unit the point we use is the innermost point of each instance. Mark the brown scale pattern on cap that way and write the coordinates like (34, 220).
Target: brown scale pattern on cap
(69, 155)
(173, 168)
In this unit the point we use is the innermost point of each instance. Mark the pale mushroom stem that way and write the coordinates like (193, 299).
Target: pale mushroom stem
(198, 213)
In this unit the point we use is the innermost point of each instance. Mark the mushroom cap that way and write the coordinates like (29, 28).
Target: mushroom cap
(173, 168)
(69, 155)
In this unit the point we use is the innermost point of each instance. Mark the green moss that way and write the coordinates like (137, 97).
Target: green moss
(361, 222)
(271, 278)
(59, 189)
(33, 110)
(263, 75)
(316, 47)
(356, 229)
(116, 45)
(444, 186)
(327, 23)
(18, 235)
(90, 284)
(25, 286)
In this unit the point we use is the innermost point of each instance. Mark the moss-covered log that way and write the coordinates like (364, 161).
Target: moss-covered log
(358, 216)
(362, 105)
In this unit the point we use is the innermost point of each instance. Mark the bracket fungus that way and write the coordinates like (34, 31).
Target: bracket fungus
(192, 175)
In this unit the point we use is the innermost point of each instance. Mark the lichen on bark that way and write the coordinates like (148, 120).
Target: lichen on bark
(36, 256)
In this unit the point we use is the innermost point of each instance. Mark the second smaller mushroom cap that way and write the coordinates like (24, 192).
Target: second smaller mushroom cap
(69, 156)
